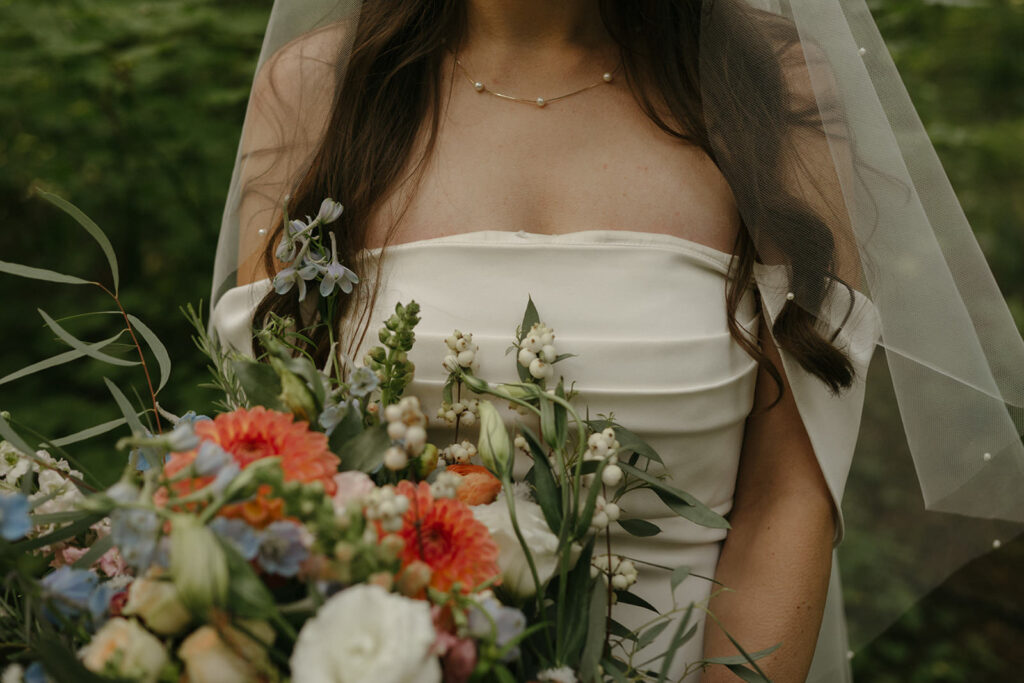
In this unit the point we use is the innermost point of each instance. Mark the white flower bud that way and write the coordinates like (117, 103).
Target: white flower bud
(612, 475)
(619, 582)
(450, 416)
(450, 363)
(468, 419)
(461, 344)
(465, 358)
(415, 439)
(599, 520)
(548, 353)
(393, 413)
(540, 369)
(395, 458)
(526, 357)
(532, 343)
(450, 341)
(611, 510)
(396, 430)
(608, 434)
(547, 338)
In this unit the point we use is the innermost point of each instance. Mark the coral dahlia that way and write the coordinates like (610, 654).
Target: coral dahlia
(444, 534)
(252, 434)
(477, 486)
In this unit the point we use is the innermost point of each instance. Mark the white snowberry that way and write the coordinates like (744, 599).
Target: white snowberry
(612, 475)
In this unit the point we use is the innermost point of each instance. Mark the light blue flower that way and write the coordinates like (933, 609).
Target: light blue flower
(332, 415)
(336, 275)
(210, 459)
(14, 519)
(191, 417)
(123, 492)
(225, 475)
(135, 535)
(35, 673)
(297, 227)
(290, 277)
(330, 211)
(70, 590)
(287, 250)
(508, 623)
(243, 537)
(281, 549)
(364, 381)
(182, 438)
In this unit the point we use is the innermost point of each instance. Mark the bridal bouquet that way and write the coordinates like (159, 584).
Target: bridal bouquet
(310, 532)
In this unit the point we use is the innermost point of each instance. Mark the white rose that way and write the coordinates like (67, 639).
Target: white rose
(124, 648)
(208, 659)
(389, 641)
(515, 570)
(158, 604)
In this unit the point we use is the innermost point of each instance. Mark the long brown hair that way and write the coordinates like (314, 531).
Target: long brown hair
(391, 91)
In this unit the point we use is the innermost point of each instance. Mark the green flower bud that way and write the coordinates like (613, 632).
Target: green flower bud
(198, 565)
(378, 354)
(428, 460)
(494, 447)
(295, 395)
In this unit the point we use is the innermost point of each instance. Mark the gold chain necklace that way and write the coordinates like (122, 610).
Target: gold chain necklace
(480, 87)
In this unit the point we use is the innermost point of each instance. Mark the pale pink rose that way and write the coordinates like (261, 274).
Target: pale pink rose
(69, 554)
(352, 486)
(209, 659)
(112, 564)
(124, 648)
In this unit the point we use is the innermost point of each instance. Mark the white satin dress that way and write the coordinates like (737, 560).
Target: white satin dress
(645, 315)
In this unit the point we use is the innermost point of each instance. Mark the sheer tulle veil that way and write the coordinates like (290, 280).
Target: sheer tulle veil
(945, 388)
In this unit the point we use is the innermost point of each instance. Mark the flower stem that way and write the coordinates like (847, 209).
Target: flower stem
(142, 357)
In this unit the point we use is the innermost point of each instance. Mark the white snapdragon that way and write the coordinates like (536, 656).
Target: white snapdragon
(621, 571)
(407, 429)
(537, 351)
(446, 485)
(462, 352)
(604, 514)
(459, 453)
(387, 507)
(465, 412)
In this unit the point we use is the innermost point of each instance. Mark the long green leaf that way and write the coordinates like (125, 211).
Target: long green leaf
(679, 501)
(41, 274)
(678, 638)
(79, 345)
(640, 527)
(544, 482)
(629, 442)
(60, 534)
(679, 575)
(530, 316)
(88, 433)
(163, 359)
(628, 598)
(95, 552)
(649, 635)
(133, 421)
(59, 359)
(740, 659)
(594, 645)
(365, 451)
(90, 227)
(12, 437)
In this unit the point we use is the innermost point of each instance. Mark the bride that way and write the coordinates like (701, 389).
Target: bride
(699, 202)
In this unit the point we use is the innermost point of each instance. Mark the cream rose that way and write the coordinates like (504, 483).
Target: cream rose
(365, 634)
(124, 648)
(209, 659)
(515, 570)
(157, 603)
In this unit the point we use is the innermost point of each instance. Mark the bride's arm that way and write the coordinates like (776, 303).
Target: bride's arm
(777, 556)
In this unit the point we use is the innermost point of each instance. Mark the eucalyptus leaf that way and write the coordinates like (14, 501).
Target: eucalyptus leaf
(544, 484)
(95, 552)
(530, 316)
(61, 534)
(640, 527)
(587, 514)
(79, 345)
(679, 501)
(561, 415)
(679, 575)
(618, 630)
(59, 359)
(679, 637)
(596, 626)
(366, 451)
(260, 384)
(746, 674)
(577, 600)
(650, 634)
(163, 359)
(41, 274)
(90, 227)
(740, 659)
(13, 438)
(88, 433)
(350, 427)
(628, 598)
(248, 596)
(130, 416)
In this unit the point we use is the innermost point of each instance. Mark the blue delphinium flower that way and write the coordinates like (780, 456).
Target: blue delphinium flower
(182, 438)
(336, 275)
(508, 623)
(70, 590)
(364, 381)
(191, 417)
(135, 535)
(243, 537)
(281, 549)
(290, 277)
(330, 211)
(14, 519)
(225, 475)
(210, 459)
(35, 673)
(332, 415)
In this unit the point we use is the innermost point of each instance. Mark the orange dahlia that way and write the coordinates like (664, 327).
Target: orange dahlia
(477, 485)
(444, 534)
(250, 435)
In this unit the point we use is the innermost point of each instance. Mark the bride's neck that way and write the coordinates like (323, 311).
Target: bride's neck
(500, 30)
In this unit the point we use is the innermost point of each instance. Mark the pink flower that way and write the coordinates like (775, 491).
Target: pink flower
(69, 554)
(112, 564)
(352, 486)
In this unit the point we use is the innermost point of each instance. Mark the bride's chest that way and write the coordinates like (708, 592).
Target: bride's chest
(565, 168)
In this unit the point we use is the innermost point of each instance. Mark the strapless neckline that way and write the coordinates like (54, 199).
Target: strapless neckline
(582, 238)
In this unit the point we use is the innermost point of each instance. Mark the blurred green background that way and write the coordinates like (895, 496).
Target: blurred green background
(132, 110)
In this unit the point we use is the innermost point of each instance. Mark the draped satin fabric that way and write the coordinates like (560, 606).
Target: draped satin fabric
(645, 315)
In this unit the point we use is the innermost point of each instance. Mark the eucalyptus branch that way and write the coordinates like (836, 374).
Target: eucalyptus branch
(142, 356)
